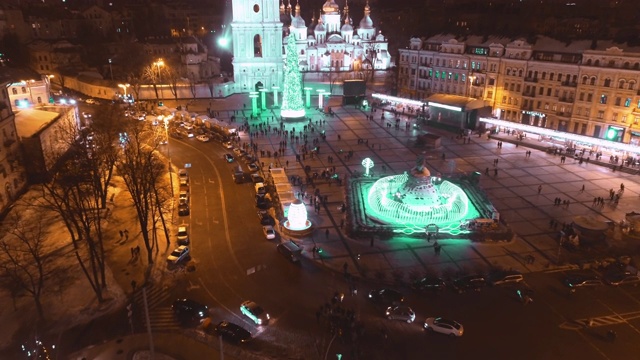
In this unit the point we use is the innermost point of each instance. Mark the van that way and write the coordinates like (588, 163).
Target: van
(290, 250)
(238, 174)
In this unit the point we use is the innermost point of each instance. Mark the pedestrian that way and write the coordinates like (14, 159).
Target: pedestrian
(539, 189)
(428, 237)
(582, 189)
(486, 171)
(134, 284)
(495, 172)
(371, 243)
(126, 234)
(326, 233)
(121, 234)
(133, 252)
(345, 267)
(443, 156)
(138, 250)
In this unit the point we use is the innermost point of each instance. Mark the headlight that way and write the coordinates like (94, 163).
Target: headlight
(259, 321)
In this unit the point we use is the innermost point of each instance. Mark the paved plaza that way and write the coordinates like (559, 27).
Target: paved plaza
(513, 189)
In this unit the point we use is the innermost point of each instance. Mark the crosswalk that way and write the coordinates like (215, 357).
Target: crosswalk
(161, 316)
(600, 321)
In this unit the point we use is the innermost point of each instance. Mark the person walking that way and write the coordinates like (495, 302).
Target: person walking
(582, 189)
(326, 233)
(539, 189)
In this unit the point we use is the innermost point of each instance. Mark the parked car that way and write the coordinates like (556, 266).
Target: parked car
(622, 278)
(189, 310)
(232, 332)
(238, 151)
(228, 157)
(253, 168)
(262, 203)
(428, 283)
(183, 174)
(254, 312)
(290, 250)
(227, 145)
(582, 281)
(183, 209)
(269, 232)
(504, 277)
(386, 296)
(255, 178)
(443, 326)
(470, 282)
(178, 255)
(203, 138)
(184, 197)
(266, 219)
(183, 235)
(403, 313)
(260, 188)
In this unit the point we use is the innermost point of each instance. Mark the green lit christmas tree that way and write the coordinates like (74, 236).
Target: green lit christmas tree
(292, 105)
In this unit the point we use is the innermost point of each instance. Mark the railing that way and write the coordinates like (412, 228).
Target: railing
(569, 83)
(566, 100)
(529, 94)
(563, 114)
(531, 79)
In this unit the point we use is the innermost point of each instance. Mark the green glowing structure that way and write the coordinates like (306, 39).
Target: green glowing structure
(417, 199)
(292, 105)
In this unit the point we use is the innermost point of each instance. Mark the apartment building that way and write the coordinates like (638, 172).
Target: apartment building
(583, 87)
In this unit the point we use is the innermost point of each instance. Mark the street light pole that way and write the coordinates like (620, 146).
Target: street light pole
(110, 70)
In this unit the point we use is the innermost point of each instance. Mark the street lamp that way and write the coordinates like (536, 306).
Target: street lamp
(166, 133)
(158, 64)
(110, 70)
(124, 88)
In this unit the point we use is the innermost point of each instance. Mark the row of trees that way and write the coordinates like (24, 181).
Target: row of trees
(76, 193)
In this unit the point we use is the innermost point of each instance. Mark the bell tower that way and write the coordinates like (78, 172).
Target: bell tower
(257, 44)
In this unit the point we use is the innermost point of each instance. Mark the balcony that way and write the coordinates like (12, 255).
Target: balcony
(531, 79)
(569, 83)
(566, 100)
(563, 114)
(530, 94)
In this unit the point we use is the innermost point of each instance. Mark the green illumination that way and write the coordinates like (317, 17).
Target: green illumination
(292, 105)
(612, 134)
(368, 164)
(223, 41)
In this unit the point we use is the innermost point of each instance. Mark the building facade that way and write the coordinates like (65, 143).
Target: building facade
(329, 44)
(13, 178)
(584, 87)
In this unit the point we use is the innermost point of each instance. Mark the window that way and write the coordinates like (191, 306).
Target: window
(492, 81)
(593, 81)
(578, 111)
(14, 91)
(607, 82)
(539, 104)
(614, 117)
(257, 46)
(600, 114)
(512, 87)
(455, 77)
(621, 84)
(549, 92)
(603, 99)
(541, 91)
(546, 106)
(581, 97)
(555, 106)
(510, 100)
(544, 75)
(518, 88)
(508, 72)
(430, 73)
(627, 102)
(589, 97)
(632, 85)
(39, 100)
(504, 99)
(490, 94)
(559, 78)
(584, 80)
(24, 90)
(464, 77)
(437, 74)
(618, 101)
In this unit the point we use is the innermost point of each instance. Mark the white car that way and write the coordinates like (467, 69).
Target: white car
(183, 235)
(203, 138)
(227, 145)
(254, 312)
(183, 174)
(184, 197)
(187, 126)
(402, 312)
(443, 326)
(269, 232)
(179, 254)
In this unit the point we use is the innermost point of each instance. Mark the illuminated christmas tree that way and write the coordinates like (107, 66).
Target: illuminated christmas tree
(292, 105)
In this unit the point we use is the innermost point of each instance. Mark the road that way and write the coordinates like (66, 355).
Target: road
(234, 263)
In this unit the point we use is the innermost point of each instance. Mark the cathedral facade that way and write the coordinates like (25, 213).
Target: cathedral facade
(331, 43)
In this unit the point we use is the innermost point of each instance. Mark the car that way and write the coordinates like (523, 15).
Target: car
(183, 209)
(227, 145)
(189, 310)
(90, 101)
(260, 188)
(175, 134)
(496, 278)
(255, 178)
(187, 126)
(428, 283)
(203, 138)
(469, 282)
(582, 281)
(184, 185)
(232, 332)
(266, 219)
(254, 312)
(183, 235)
(190, 133)
(228, 157)
(386, 296)
(184, 197)
(403, 313)
(179, 254)
(253, 167)
(238, 151)
(622, 278)
(269, 232)
(443, 326)
(183, 174)
(290, 250)
(262, 203)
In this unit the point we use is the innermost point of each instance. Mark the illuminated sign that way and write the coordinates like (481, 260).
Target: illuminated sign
(297, 215)
(443, 106)
(534, 113)
(397, 99)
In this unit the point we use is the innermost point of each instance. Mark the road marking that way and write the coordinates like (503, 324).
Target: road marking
(211, 181)
(600, 321)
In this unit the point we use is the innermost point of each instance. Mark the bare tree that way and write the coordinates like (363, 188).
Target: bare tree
(25, 258)
(173, 77)
(136, 83)
(152, 75)
(143, 172)
(193, 85)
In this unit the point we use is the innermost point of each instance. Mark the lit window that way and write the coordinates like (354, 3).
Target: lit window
(627, 102)
(603, 99)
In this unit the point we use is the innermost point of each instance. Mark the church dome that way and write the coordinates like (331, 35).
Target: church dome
(320, 27)
(366, 23)
(330, 7)
(298, 22)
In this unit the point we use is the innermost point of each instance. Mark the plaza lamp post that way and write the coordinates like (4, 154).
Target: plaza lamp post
(263, 98)
(307, 94)
(110, 70)
(320, 98)
(254, 102)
